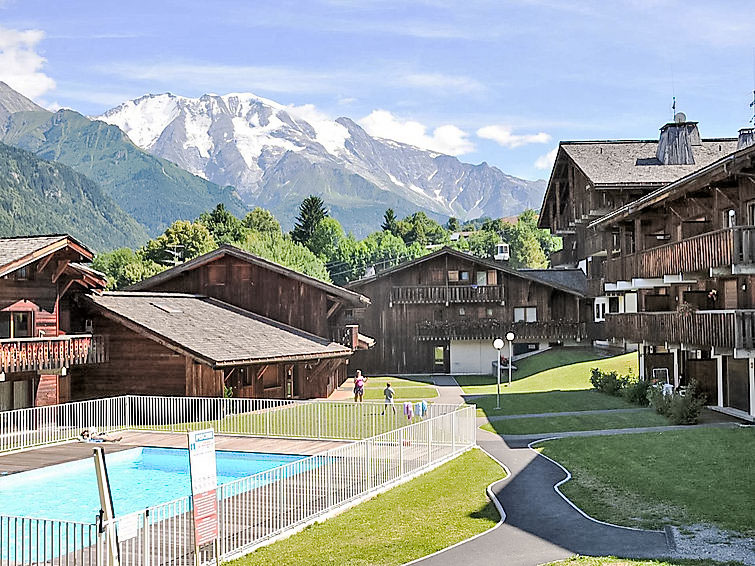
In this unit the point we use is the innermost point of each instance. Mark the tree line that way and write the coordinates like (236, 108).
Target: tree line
(318, 245)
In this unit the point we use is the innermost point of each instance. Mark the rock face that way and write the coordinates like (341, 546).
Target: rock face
(276, 155)
(12, 101)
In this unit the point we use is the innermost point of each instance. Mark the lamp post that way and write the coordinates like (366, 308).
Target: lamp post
(510, 337)
(498, 344)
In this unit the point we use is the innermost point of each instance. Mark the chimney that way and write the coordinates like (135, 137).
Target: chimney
(746, 138)
(677, 141)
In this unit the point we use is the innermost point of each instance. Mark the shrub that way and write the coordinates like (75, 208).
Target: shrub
(660, 402)
(636, 391)
(685, 409)
(608, 382)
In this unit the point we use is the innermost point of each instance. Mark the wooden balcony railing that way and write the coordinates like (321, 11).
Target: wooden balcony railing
(447, 294)
(563, 257)
(730, 246)
(38, 354)
(723, 329)
(491, 328)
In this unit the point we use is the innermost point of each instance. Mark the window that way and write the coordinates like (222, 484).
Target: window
(453, 275)
(489, 312)
(462, 311)
(525, 314)
(731, 218)
(4, 325)
(464, 275)
(22, 327)
(613, 304)
(492, 277)
(482, 278)
(22, 273)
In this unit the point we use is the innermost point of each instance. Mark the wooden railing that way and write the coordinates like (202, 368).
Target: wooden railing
(730, 246)
(36, 354)
(491, 328)
(447, 294)
(723, 329)
(563, 257)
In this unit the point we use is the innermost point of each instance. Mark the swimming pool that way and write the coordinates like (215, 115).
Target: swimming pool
(139, 478)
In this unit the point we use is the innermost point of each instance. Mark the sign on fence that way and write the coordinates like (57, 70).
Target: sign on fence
(204, 483)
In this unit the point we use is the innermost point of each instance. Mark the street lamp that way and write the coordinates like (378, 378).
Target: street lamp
(498, 344)
(510, 337)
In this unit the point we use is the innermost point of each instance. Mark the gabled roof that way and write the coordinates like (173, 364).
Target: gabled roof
(212, 331)
(723, 166)
(634, 162)
(523, 274)
(350, 297)
(17, 252)
(564, 278)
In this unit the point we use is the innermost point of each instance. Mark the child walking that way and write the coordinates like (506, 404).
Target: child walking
(389, 394)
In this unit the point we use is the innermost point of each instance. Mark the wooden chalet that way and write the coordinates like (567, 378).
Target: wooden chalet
(42, 341)
(190, 345)
(265, 288)
(667, 246)
(440, 313)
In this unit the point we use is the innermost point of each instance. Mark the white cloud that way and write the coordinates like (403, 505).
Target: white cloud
(446, 139)
(546, 161)
(504, 135)
(21, 65)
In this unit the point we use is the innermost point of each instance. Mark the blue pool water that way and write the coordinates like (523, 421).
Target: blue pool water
(139, 478)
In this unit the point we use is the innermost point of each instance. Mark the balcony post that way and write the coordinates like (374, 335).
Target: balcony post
(719, 379)
(675, 351)
(751, 365)
(641, 360)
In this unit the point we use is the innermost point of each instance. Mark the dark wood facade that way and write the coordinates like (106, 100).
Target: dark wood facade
(424, 309)
(41, 339)
(670, 266)
(259, 286)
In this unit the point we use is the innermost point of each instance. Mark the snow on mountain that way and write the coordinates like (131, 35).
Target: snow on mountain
(275, 154)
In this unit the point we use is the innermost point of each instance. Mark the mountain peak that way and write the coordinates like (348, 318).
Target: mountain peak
(13, 101)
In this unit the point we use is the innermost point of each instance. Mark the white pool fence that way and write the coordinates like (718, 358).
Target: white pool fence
(386, 450)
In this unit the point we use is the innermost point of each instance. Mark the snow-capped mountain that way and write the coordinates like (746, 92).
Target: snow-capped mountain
(275, 155)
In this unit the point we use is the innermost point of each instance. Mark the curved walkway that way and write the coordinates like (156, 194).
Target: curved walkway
(540, 525)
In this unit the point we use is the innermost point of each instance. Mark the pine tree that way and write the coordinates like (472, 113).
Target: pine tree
(311, 211)
(389, 222)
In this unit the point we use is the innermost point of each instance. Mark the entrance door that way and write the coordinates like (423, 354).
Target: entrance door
(441, 362)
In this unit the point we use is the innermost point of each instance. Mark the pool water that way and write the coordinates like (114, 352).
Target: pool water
(139, 478)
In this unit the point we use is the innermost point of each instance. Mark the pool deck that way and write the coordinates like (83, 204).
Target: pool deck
(60, 453)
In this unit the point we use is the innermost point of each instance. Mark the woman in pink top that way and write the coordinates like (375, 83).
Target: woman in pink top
(359, 381)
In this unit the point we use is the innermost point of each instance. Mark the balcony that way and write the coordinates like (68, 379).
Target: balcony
(722, 248)
(491, 328)
(39, 354)
(426, 294)
(722, 329)
(564, 257)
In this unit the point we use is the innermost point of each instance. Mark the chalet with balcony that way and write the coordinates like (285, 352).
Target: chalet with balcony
(192, 345)
(440, 313)
(663, 231)
(43, 343)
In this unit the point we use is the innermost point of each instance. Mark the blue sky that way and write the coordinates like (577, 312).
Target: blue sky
(496, 81)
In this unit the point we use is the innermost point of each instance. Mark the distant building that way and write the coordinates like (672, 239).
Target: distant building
(441, 312)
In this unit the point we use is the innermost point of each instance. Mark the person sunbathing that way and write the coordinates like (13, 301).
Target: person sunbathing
(94, 436)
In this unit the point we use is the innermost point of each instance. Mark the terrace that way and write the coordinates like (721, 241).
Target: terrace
(39, 354)
(490, 328)
(352, 453)
(444, 294)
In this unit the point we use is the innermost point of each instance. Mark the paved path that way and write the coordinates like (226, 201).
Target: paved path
(448, 390)
(540, 526)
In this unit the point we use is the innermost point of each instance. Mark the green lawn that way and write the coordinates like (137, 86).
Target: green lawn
(412, 520)
(647, 417)
(612, 561)
(563, 386)
(649, 480)
(406, 388)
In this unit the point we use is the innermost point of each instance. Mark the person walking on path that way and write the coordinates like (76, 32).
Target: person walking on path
(359, 381)
(389, 394)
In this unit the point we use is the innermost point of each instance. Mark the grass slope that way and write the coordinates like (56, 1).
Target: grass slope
(555, 381)
(678, 477)
(42, 197)
(412, 520)
(410, 389)
(647, 417)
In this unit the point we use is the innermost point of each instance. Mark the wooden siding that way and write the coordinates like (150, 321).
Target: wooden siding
(395, 325)
(256, 289)
(447, 294)
(722, 329)
(491, 328)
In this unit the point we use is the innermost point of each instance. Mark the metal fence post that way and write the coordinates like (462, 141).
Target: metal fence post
(453, 432)
(401, 452)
